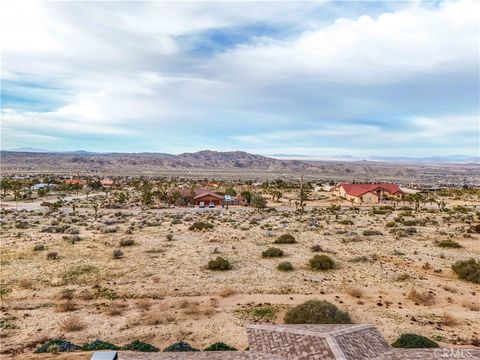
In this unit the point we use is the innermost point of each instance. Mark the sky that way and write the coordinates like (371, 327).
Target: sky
(302, 78)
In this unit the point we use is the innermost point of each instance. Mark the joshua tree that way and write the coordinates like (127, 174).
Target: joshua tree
(95, 210)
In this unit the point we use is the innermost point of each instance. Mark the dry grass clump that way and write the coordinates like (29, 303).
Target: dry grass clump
(154, 318)
(355, 292)
(403, 277)
(66, 306)
(450, 289)
(424, 298)
(116, 309)
(144, 304)
(25, 284)
(449, 320)
(72, 324)
(66, 294)
(227, 291)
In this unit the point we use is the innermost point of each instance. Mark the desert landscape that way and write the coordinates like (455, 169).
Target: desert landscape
(124, 263)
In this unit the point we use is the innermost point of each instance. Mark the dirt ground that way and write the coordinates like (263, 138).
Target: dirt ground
(160, 291)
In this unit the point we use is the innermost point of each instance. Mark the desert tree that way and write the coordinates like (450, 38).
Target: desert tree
(248, 196)
(258, 202)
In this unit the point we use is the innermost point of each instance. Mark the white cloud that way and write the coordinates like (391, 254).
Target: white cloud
(110, 67)
(392, 46)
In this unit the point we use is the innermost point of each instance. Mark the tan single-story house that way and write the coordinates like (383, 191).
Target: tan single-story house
(367, 193)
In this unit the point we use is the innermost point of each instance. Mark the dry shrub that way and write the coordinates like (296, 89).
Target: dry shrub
(192, 309)
(471, 305)
(449, 320)
(403, 277)
(214, 302)
(424, 298)
(153, 318)
(66, 306)
(184, 304)
(355, 292)
(450, 289)
(86, 294)
(66, 294)
(144, 304)
(25, 284)
(116, 309)
(72, 323)
(227, 291)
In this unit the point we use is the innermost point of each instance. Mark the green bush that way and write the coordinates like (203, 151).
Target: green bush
(272, 253)
(200, 225)
(322, 262)
(411, 341)
(219, 264)
(99, 345)
(448, 244)
(285, 239)
(468, 270)
(220, 346)
(316, 312)
(138, 345)
(180, 347)
(285, 266)
(57, 345)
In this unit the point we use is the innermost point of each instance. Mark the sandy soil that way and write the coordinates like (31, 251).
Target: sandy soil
(161, 291)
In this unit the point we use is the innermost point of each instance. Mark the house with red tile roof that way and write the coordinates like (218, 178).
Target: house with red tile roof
(367, 193)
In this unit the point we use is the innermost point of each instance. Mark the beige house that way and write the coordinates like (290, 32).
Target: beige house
(367, 193)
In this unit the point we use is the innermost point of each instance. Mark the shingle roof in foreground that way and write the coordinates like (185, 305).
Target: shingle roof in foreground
(315, 342)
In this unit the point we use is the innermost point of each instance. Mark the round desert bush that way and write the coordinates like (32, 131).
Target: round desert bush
(127, 242)
(200, 225)
(285, 266)
(408, 341)
(180, 346)
(468, 270)
(138, 345)
(39, 247)
(52, 255)
(272, 253)
(57, 345)
(99, 345)
(316, 312)
(322, 262)
(371, 232)
(220, 346)
(448, 244)
(285, 239)
(219, 264)
(117, 254)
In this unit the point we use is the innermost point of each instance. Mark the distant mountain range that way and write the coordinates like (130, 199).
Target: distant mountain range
(238, 164)
(240, 157)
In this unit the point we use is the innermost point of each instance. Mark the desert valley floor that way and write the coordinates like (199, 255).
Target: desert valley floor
(60, 280)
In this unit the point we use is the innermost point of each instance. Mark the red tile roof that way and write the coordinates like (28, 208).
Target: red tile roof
(75, 182)
(360, 189)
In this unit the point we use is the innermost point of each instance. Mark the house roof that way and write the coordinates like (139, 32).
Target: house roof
(360, 189)
(208, 193)
(75, 182)
(309, 342)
